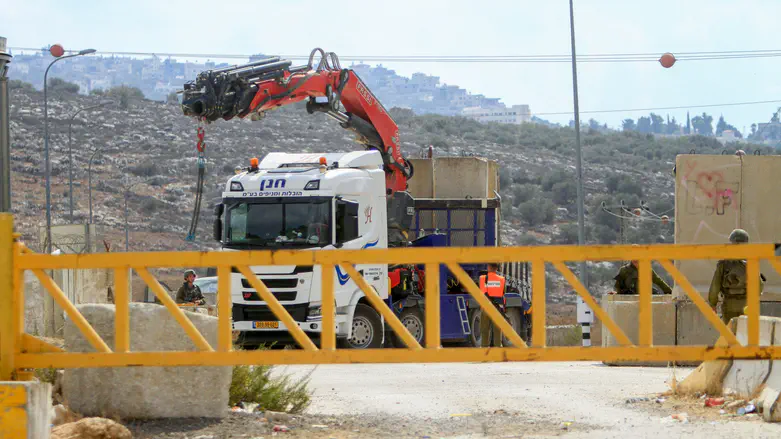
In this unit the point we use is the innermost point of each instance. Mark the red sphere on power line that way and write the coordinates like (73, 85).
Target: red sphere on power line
(667, 60)
(637, 211)
(665, 219)
(57, 50)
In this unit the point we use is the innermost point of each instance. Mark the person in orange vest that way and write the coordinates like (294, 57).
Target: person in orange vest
(493, 286)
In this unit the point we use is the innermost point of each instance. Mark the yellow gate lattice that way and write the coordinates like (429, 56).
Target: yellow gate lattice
(23, 351)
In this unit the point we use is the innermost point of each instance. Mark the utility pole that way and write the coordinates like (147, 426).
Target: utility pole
(585, 316)
(5, 133)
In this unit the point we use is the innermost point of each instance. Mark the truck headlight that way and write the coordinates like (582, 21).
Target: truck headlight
(314, 313)
(312, 185)
(236, 186)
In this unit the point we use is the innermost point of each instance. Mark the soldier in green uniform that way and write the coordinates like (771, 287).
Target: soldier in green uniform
(729, 280)
(626, 280)
(189, 292)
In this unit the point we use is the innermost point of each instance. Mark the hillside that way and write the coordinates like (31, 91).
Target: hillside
(153, 145)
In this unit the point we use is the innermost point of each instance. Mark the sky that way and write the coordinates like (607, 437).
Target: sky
(455, 27)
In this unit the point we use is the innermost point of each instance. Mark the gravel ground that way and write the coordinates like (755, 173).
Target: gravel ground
(502, 400)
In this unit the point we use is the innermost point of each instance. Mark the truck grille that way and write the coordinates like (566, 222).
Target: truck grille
(263, 313)
(273, 283)
(280, 295)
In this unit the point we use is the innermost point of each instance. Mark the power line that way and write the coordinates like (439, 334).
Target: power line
(599, 58)
(681, 107)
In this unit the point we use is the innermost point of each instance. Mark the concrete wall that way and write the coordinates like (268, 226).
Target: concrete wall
(715, 194)
(454, 177)
(623, 310)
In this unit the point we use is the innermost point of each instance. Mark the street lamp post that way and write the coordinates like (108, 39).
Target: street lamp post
(48, 169)
(127, 193)
(585, 315)
(89, 178)
(70, 150)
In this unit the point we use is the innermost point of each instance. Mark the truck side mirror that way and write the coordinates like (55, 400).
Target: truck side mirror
(217, 226)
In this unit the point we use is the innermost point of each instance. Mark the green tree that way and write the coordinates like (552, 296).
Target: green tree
(703, 125)
(688, 124)
(721, 125)
(672, 126)
(657, 124)
(15, 84)
(564, 192)
(125, 95)
(644, 125)
(61, 86)
(628, 125)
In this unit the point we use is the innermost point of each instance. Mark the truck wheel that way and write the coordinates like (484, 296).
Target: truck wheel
(412, 319)
(514, 314)
(474, 326)
(366, 330)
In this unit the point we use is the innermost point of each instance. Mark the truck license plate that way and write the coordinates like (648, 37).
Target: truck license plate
(265, 325)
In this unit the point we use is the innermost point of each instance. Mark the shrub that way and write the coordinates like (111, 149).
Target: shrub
(255, 384)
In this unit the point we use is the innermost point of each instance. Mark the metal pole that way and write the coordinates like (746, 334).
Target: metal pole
(578, 154)
(48, 169)
(127, 240)
(585, 325)
(70, 168)
(5, 133)
(89, 183)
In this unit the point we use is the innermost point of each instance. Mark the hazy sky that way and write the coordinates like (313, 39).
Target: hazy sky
(423, 27)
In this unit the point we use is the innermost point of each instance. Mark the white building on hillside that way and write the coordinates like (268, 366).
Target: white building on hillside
(517, 114)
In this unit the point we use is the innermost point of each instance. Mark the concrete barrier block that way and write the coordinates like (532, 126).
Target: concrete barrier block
(624, 311)
(745, 376)
(145, 392)
(692, 328)
(770, 397)
(25, 409)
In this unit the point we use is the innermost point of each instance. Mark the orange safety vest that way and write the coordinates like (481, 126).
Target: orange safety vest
(495, 285)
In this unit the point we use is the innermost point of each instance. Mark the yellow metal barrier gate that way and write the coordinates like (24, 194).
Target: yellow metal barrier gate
(20, 351)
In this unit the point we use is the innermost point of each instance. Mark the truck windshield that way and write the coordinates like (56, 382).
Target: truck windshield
(279, 223)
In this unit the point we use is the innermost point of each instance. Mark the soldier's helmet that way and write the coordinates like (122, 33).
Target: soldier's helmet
(189, 272)
(738, 236)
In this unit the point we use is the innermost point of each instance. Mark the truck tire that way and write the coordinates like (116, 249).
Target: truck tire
(474, 325)
(366, 330)
(514, 314)
(412, 319)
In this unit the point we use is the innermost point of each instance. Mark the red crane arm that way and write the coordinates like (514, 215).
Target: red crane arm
(268, 84)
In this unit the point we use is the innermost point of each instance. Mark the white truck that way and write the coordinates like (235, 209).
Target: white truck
(314, 202)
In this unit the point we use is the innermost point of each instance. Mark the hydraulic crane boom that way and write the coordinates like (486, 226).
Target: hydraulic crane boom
(254, 88)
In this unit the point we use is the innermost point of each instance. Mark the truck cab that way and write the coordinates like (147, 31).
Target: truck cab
(307, 202)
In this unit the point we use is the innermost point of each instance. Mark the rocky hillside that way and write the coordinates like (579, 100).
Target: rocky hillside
(151, 146)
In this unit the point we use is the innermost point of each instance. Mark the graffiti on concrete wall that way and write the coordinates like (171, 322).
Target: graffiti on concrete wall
(708, 192)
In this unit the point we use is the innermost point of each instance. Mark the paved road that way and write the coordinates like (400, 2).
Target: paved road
(585, 393)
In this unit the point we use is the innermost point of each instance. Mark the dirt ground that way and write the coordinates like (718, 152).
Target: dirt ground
(250, 426)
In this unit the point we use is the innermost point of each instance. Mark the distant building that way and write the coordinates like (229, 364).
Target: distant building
(517, 114)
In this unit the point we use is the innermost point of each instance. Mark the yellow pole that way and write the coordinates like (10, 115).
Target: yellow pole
(328, 336)
(538, 304)
(645, 306)
(122, 307)
(224, 309)
(7, 336)
(432, 306)
(752, 300)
